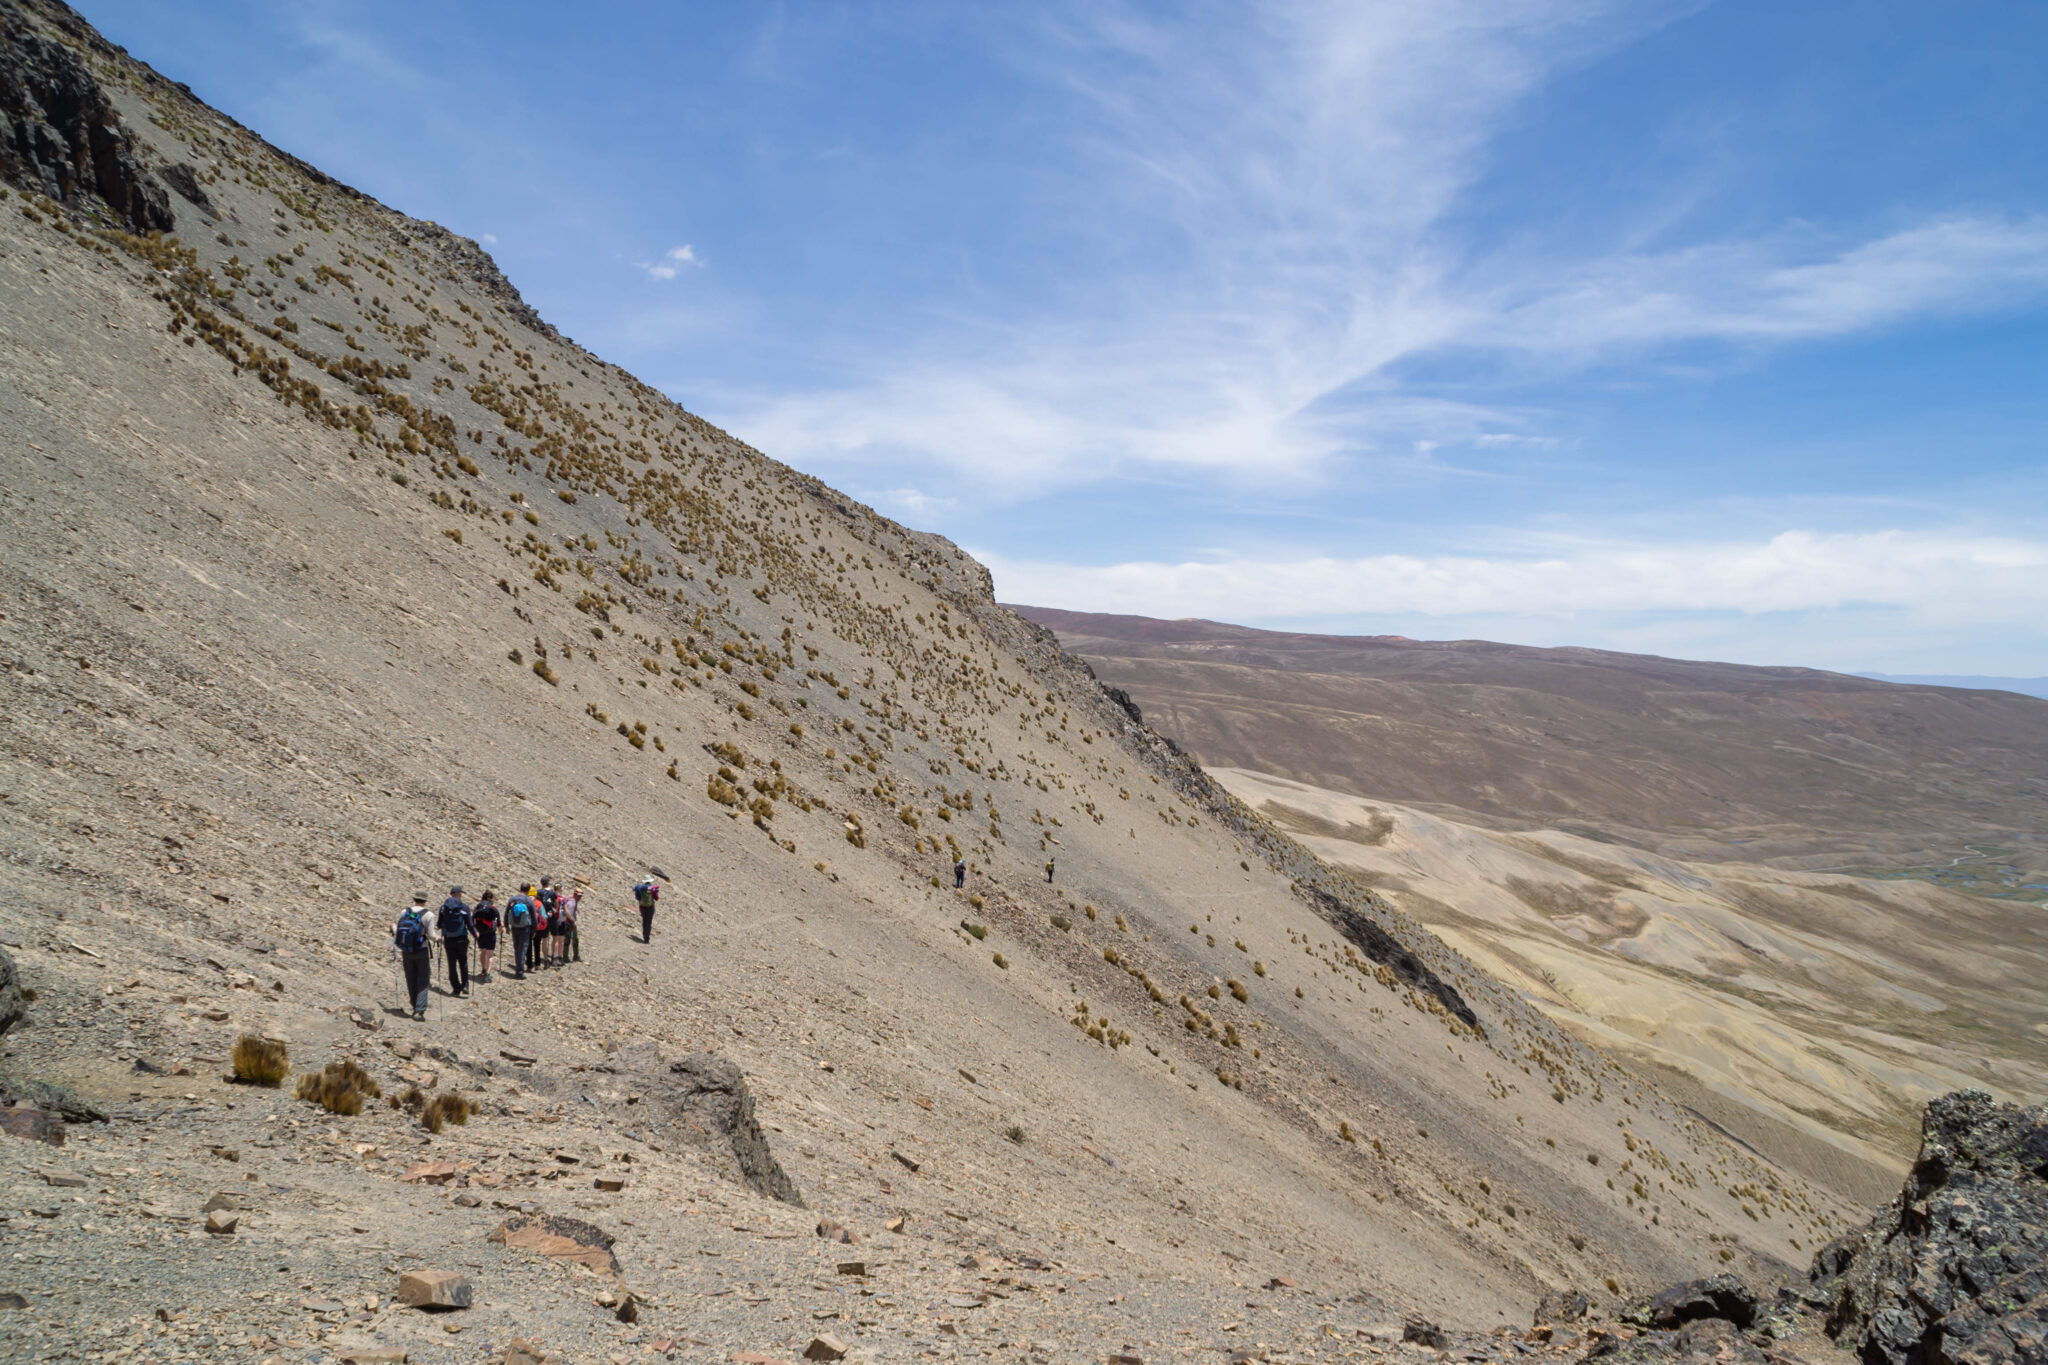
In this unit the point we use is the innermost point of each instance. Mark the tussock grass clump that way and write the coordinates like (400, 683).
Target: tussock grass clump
(1015, 1133)
(453, 1107)
(339, 1087)
(260, 1061)
(1002, 962)
(1344, 1132)
(980, 931)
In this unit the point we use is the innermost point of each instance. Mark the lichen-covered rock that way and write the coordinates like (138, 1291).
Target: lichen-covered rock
(59, 134)
(1955, 1270)
(1723, 1298)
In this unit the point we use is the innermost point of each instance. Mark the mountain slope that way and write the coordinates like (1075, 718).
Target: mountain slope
(1812, 1012)
(331, 574)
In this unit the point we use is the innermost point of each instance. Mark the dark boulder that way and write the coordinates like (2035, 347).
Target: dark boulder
(60, 135)
(709, 1095)
(1955, 1270)
(1561, 1305)
(13, 1009)
(61, 1100)
(1722, 1298)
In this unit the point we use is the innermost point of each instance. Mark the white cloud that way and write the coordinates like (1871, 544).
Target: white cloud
(672, 262)
(1306, 163)
(487, 238)
(1956, 580)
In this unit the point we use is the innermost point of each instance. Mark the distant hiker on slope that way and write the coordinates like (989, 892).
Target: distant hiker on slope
(519, 913)
(486, 921)
(647, 893)
(453, 920)
(959, 873)
(558, 930)
(1048, 872)
(412, 942)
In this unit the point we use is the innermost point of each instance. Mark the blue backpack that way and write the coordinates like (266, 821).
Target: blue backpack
(411, 933)
(519, 913)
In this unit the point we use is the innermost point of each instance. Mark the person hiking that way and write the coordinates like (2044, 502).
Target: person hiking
(486, 920)
(647, 893)
(453, 920)
(537, 940)
(412, 943)
(570, 903)
(959, 873)
(519, 912)
(1048, 872)
(558, 931)
(547, 933)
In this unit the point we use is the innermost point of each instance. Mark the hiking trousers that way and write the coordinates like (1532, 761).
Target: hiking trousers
(647, 924)
(575, 944)
(520, 940)
(458, 965)
(419, 977)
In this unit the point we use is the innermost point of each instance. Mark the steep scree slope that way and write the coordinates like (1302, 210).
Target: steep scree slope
(328, 574)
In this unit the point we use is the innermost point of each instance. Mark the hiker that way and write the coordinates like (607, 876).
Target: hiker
(412, 943)
(519, 914)
(544, 929)
(959, 873)
(1048, 872)
(537, 937)
(486, 920)
(571, 903)
(647, 893)
(558, 931)
(454, 923)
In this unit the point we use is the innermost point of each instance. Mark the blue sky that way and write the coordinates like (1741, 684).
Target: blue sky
(1714, 330)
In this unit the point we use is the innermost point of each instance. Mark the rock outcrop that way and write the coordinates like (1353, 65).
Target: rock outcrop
(12, 1007)
(1955, 1270)
(59, 134)
(711, 1098)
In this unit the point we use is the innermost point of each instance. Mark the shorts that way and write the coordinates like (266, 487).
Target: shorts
(486, 939)
(559, 929)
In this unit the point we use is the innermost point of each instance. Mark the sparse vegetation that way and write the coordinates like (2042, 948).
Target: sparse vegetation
(260, 1061)
(339, 1087)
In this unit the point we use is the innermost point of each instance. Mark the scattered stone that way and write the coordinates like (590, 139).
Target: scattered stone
(610, 1184)
(893, 1225)
(832, 1230)
(467, 1200)
(963, 1301)
(853, 1267)
(31, 1124)
(365, 1019)
(1423, 1332)
(563, 1239)
(1279, 1282)
(520, 1351)
(226, 1153)
(430, 1172)
(906, 1162)
(629, 1309)
(64, 1180)
(220, 1223)
(517, 1058)
(11, 1299)
(433, 1289)
(825, 1347)
(1126, 1360)
(370, 1353)
(1562, 1305)
(222, 1201)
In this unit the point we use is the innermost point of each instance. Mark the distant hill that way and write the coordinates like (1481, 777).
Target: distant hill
(1654, 849)
(1793, 767)
(2031, 687)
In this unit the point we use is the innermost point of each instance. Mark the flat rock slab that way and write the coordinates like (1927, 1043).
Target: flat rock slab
(564, 1239)
(433, 1289)
(31, 1124)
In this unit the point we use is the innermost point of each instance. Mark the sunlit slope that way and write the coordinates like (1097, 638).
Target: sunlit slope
(334, 574)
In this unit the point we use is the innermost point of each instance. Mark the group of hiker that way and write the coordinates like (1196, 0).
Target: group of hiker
(542, 923)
